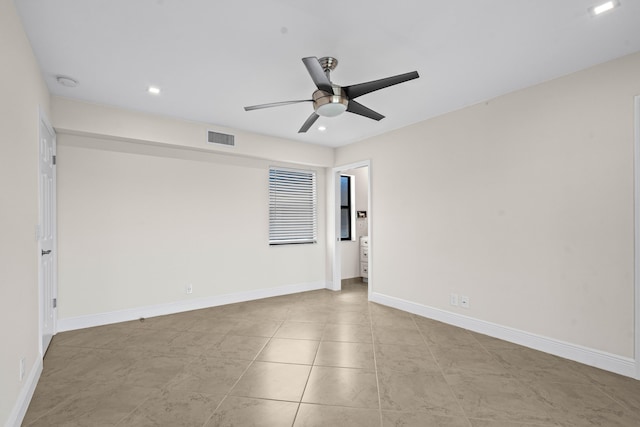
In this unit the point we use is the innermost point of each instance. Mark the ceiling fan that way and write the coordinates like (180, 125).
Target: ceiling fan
(331, 100)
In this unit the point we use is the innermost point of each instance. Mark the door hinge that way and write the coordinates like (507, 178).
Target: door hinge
(54, 160)
(55, 303)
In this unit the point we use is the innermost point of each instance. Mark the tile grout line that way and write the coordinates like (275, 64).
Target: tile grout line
(249, 366)
(511, 376)
(136, 408)
(295, 417)
(613, 398)
(424, 340)
(241, 375)
(375, 362)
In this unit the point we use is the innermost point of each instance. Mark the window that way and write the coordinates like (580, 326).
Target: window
(292, 206)
(346, 207)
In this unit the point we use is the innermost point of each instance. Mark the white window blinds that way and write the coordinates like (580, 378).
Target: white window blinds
(292, 206)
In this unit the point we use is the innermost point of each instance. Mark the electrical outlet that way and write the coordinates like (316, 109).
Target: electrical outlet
(189, 289)
(464, 302)
(21, 371)
(453, 299)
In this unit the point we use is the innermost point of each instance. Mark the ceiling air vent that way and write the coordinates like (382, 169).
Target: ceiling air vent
(220, 138)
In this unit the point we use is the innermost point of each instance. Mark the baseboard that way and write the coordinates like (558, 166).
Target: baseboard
(99, 319)
(26, 393)
(588, 356)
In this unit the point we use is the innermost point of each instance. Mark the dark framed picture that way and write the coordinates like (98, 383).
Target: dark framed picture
(362, 214)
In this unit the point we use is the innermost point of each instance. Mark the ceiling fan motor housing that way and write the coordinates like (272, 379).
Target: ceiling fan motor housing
(330, 104)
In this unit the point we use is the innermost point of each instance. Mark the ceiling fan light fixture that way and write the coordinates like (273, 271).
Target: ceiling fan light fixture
(331, 110)
(330, 104)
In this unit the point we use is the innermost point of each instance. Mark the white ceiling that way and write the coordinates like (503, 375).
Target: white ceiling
(212, 57)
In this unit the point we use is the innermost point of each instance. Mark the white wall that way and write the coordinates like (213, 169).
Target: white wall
(137, 223)
(22, 91)
(190, 211)
(350, 249)
(523, 203)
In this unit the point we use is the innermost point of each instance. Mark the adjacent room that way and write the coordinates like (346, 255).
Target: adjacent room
(202, 225)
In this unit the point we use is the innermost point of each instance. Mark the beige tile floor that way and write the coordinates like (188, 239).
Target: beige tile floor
(318, 358)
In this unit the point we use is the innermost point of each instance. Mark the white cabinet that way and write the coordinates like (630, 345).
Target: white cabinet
(364, 258)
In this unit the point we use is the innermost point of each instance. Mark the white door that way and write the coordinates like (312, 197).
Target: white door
(47, 233)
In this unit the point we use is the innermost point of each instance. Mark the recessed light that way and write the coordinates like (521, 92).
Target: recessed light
(154, 90)
(604, 7)
(67, 81)
(322, 128)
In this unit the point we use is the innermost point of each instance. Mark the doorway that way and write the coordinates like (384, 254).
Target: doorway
(47, 266)
(362, 217)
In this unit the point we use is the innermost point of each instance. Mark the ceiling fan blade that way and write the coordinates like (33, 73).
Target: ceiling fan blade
(317, 74)
(360, 89)
(357, 108)
(310, 121)
(275, 104)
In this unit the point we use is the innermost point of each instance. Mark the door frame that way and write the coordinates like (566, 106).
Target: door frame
(335, 233)
(636, 196)
(44, 121)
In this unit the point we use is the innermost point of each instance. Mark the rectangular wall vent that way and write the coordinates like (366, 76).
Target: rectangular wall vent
(220, 138)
